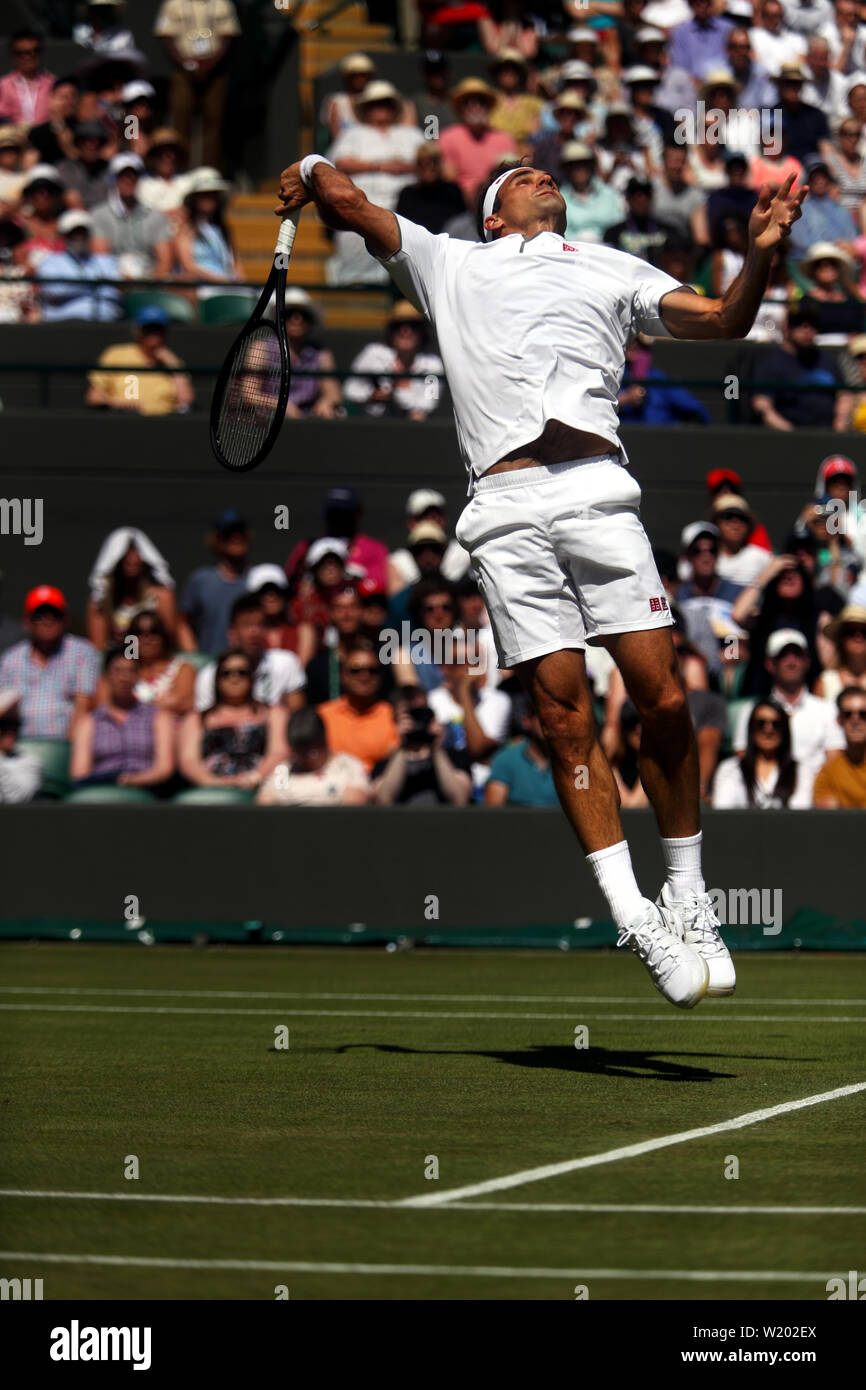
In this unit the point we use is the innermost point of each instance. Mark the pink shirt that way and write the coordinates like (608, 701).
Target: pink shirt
(24, 102)
(471, 159)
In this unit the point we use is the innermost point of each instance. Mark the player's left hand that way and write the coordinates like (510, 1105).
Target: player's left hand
(293, 193)
(773, 216)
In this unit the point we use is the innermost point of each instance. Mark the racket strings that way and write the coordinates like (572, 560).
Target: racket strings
(251, 398)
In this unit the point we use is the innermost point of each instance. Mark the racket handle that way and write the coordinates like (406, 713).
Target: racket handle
(288, 228)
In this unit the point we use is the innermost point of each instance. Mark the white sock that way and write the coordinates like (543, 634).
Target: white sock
(615, 877)
(683, 864)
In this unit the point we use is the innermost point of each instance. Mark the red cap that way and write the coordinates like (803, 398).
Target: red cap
(836, 464)
(717, 476)
(44, 596)
(368, 588)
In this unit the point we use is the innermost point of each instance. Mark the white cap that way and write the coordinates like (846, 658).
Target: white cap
(650, 35)
(640, 73)
(43, 173)
(575, 70)
(328, 545)
(421, 499)
(582, 34)
(205, 180)
(128, 160)
(135, 91)
(260, 575)
(695, 529)
(73, 219)
(782, 638)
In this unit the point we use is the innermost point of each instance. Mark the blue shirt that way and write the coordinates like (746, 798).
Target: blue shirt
(664, 404)
(822, 219)
(527, 783)
(72, 300)
(207, 602)
(697, 47)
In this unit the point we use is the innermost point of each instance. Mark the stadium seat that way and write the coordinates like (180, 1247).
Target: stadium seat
(213, 796)
(109, 795)
(226, 308)
(179, 310)
(53, 753)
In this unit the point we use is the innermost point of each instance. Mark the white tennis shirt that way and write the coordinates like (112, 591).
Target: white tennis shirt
(529, 331)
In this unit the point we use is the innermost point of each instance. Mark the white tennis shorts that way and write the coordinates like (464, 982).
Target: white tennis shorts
(561, 557)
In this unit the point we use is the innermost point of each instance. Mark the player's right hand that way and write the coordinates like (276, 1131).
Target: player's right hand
(293, 193)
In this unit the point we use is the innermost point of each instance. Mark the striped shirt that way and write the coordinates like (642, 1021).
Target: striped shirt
(48, 691)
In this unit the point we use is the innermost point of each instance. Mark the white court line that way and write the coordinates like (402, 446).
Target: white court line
(402, 998)
(555, 1170)
(703, 1276)
(671, 1016)
(362, 1204)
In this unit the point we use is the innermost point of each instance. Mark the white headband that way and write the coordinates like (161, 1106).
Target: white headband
(490, 199)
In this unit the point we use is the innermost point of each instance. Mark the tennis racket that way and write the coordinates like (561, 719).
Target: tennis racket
(252, 390)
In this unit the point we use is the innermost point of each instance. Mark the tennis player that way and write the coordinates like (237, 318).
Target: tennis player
(532, 331)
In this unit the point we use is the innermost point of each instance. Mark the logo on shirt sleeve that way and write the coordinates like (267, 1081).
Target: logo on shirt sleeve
(567, 247)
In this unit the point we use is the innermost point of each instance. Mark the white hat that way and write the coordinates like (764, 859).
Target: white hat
(582, 34)
(136, 91)
(356, 62)
(206, 180)
(73, 219)
(127, 160)
(260, 575)
(782, 638)
(575, 70)
(695, 529)
(43, 173)
(296, 298)
(421, 499)
(328, 545)
(378, 91)
(824, 251)
(650, 35)
(641, 72)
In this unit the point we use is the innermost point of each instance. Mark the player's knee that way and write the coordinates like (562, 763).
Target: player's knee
(665, 706)
(568, 726)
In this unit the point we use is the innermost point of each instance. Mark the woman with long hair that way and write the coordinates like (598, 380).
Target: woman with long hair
(203, 245)
(129, 577)
(766, 778)
(165, 679)
(783, 596)
(238, 741)
(848, 635)
(833, 294)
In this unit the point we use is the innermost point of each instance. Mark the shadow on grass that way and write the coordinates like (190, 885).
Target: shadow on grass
(650, 1065)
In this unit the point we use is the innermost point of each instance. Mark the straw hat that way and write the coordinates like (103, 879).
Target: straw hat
(851, 613)
(378, 91)
(356, 62)
(473, 87)
(824, 251)
(718, 77)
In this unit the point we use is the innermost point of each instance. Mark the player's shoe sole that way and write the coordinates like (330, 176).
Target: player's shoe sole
(695, 920)
(677, 971)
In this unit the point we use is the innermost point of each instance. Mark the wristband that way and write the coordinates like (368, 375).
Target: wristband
(307, 165)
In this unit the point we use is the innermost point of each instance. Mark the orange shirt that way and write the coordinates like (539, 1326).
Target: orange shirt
(844, 781)
(368, 736)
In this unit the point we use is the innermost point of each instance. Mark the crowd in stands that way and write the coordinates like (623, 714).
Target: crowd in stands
(345, 673)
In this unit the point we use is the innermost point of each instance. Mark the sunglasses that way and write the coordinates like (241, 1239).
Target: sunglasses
(25, 52)
(234, 671)
(433, 607)
(853, 632)
(768, 723)
(731, 516)
(703, 550)
(847, 714)
(363, 670)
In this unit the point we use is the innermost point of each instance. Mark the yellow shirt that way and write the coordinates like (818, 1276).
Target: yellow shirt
(844, 781)
(155, 391)
(519, 120)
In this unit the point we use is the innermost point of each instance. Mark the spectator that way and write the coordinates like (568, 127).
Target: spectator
(847, 632)
(474, 714)
(313, 397)
(379, 156)
(325, 573)
(757, 91)
(705, 597)
(427, 545)
(726, 482)
(116, 382)
(766, 777)
(730, 241)
(548, 146)
(123, 741)
(855, 398)
(814, 728)
(65, 291)
(54, 138)
(471, 147)
(211, 590)
(313, 775)
(769, 325)
(620, 157)
(419, 771)
(164, 186)
(17, 301)
(803, 369)
(773, 164)
(203, 244)
(842, 780)
(102, 97)
(103, 34)
(13, 177)
(846, 160)
(323, 670)
(342, 514)
(641, 233)
(801, 546)
(597, 49)
(138, 236)
(431, 106)
(591, 205)
(676, 202)
(359, 721)
(676, 90)
(432, 614)
(20, 773)
(625, 765)
(25, 92)
(655, 403)
(452, 24)
(824, 219)
(632, 31)
(41, 209)
(807, 16)
(706, 156)
(653, 125)
(739, 561)
(517, 111)
(826, 89)
(783, 596)
(805, 129)
(508, 26)
(773, 41)
(165, 678)
(520, 773)
(415, 392)
(425, 504)
(84, 174)
(700, 42)
(139, 115)
(278, 676)
(836, 303)
(236, 741)
(198, 44)
(576, 79)
(735, 199)
(129, 577)
(271, 587)
(54, 673)
(338, 109)
(433, 200)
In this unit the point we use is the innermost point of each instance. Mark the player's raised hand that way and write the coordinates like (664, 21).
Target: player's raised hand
(773, 216)
(293, 193)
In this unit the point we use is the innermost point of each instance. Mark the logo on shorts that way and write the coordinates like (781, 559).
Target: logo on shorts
(658, 605)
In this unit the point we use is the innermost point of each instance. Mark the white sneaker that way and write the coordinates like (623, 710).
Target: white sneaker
(694, 918)
(677, 971)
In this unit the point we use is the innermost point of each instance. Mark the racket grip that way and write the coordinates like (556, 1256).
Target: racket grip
(288, 228)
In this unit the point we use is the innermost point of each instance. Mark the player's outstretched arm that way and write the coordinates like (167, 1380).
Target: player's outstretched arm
(340, 205)
(687, 315)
